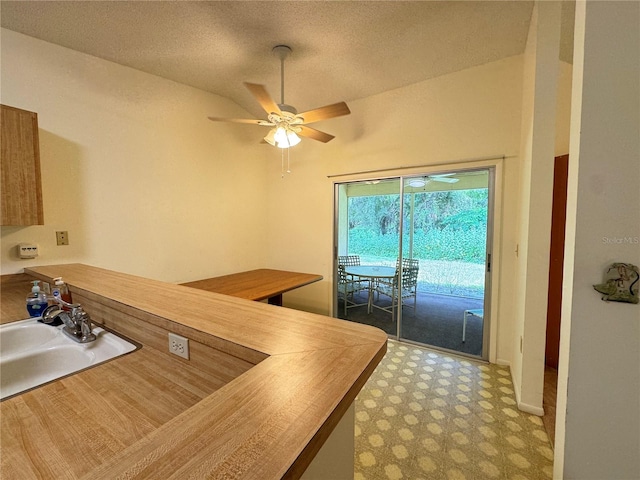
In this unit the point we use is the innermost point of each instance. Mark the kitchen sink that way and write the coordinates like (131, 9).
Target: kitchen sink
(32, 354)
(20, 336)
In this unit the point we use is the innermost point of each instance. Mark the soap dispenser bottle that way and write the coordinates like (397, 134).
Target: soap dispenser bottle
(61, 290)
(36, 300)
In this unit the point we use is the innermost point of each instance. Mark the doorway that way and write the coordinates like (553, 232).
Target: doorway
(554, 295)
(436, 293)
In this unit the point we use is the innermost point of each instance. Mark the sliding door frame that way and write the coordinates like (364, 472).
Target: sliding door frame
(495, 168)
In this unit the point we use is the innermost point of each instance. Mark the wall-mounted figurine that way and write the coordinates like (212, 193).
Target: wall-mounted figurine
(620, 283)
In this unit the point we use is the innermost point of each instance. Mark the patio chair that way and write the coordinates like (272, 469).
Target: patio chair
(349, 285)
(409, 286)
(410, 263)
(349, 260)
(406, 263)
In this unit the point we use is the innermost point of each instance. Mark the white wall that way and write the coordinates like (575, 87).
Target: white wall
(563, 112)
(538, 145)
(598, 423)
(133, 170)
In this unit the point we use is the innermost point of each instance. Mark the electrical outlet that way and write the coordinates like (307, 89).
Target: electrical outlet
(179, 345)
(62, 238)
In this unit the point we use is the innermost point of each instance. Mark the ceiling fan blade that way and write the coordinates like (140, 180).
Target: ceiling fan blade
(313, 133)
(263, 98)
(444, 179)
(323, 113)
(236, 120)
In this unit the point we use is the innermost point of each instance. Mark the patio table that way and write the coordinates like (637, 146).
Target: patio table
(371, 272)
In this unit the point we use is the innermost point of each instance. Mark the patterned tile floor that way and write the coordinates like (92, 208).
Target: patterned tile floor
(426, 415)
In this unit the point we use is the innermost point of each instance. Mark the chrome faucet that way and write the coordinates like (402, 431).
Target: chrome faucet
(77, 323)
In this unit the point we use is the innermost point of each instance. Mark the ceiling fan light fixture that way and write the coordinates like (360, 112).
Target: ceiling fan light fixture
(282, 137)
(417, 182)
(290, 139)
(269, 138)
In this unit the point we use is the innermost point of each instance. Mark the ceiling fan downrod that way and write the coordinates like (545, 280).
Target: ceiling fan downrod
(282, 51)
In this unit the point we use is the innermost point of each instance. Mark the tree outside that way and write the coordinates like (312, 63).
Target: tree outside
(449, 236)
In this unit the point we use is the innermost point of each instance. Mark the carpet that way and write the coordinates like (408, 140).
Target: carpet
(436, 321)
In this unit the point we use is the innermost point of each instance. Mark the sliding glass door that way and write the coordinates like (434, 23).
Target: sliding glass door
(434, 293)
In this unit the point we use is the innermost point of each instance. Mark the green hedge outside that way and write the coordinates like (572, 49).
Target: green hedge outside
(448, 243)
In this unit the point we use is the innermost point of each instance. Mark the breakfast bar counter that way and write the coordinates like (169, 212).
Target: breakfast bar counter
(263, 389)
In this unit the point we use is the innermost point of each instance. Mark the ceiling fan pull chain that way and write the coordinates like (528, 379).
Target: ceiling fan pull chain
(282, 172)
(282, 163)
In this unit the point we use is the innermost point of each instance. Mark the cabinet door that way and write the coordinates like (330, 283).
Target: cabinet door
(20, 152)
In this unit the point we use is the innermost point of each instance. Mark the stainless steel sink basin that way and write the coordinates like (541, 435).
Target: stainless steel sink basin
(32, 354)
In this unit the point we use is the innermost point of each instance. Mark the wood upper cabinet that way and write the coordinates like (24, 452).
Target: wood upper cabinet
(21, 184)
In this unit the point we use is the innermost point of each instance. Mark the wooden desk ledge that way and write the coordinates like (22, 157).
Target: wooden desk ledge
(256, 285)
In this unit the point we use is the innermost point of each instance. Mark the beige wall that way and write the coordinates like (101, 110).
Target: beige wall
(133, 170)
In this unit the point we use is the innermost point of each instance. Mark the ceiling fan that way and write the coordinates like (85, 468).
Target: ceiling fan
(285, 121)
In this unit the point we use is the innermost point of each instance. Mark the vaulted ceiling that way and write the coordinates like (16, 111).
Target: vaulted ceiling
(342, 50)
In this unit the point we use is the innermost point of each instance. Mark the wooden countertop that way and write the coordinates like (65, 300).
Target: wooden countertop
(298, 374)
(256, 284)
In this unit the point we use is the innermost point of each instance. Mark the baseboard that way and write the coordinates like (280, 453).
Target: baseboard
(538, 411)
(525, 407)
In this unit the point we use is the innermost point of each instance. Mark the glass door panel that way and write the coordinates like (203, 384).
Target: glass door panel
(367, 239)
(445, 227)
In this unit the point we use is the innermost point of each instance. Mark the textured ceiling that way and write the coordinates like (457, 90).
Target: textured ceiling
(342, 50)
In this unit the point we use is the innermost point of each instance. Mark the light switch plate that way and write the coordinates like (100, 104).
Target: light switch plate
(62, 238)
